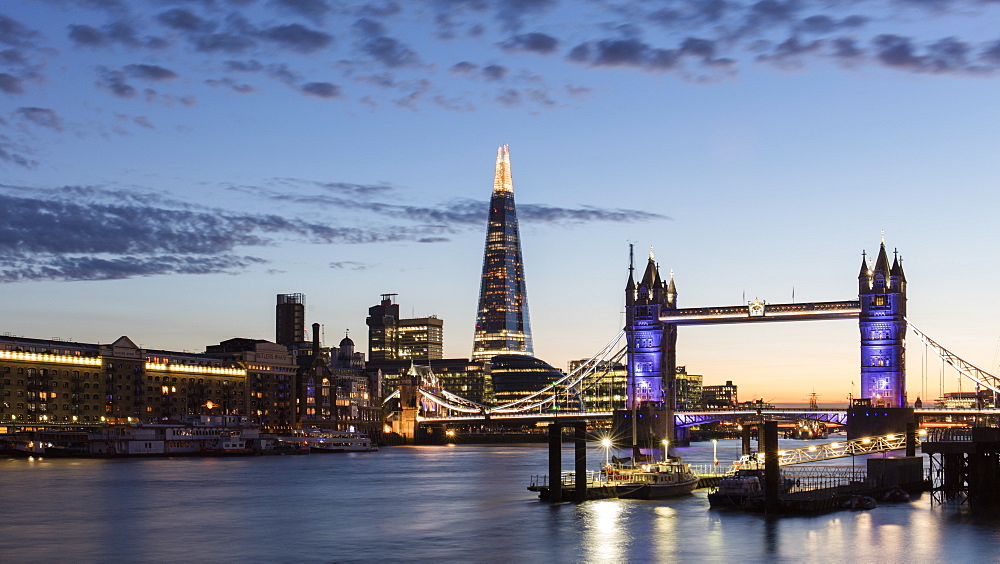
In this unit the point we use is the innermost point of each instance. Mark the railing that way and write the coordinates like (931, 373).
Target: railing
(808, 478)
(854, 447)
(950, 435)
(567, 479)
(710, 470)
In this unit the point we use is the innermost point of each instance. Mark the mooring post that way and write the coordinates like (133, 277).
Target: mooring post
(772, 472)
(581, 462)
(555, 462)
(747, 431)
(911, 439)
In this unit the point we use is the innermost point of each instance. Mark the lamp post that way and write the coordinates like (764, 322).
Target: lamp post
(606, 443)
(666, 450)
(715, 452)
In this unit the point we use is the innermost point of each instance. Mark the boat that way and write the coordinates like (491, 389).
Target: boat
(659, 480)
(736, 490)
(329, 441)
(61, 444)
(229, 443)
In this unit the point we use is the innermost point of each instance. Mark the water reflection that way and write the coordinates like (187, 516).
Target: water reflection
(606, 538)
(463, 503)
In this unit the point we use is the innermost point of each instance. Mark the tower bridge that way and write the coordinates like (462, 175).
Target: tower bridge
(650, 352)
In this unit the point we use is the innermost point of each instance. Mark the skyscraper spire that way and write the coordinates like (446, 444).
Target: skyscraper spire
(501, 179)
(502, 324)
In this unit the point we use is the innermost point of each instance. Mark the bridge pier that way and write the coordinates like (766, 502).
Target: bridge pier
(580, 461)
(580, 470)
(745, 435)
(555, 462)
(772, 471)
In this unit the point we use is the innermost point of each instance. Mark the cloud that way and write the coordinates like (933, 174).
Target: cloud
(348, 265)
(94, 233)
(237, 87)
(225, 43)
(948, 55)
(114, 82)
(823, 24)
(87, 36)
(71, 268)
(297, 37)
(788, 53)
(13, 154)
(119, 32)
(244, 66)
(149, 72)
(315, 10)
(460, 212)
(464, 67)
(701, 53)
(321, 90)
(183, 20)
(494, 72)
(386, 50)
(513, 12)
(14, 33)
(390, 52)
(43, 117)
(11, 84)
(531, 42)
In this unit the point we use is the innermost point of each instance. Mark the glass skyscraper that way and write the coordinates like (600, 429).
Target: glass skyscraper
(502, 325)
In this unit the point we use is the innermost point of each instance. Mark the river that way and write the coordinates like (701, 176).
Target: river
(429, 503)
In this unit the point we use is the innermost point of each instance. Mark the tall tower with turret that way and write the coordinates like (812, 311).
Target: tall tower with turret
(651, 343)
(502, 325)
(882, 321)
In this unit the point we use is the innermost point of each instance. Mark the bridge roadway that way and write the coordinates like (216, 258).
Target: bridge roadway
(692, 418)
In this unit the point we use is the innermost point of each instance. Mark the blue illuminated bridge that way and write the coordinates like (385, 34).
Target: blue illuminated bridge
(562, 400)
(647, 346)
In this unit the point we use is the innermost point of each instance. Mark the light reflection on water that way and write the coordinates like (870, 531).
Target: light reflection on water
(426, 503)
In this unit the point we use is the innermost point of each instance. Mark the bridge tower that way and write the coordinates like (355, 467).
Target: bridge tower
(651, 344)
(882, 321)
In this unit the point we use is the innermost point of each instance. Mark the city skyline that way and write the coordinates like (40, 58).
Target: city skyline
(172, 166)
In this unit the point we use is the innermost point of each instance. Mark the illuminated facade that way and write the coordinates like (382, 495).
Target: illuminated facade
(651, 343)
(720, 397)
(689, 389)
(516, 376)
(390, 338)
(608, 393)
(502, 325)
(61, 382)
(467, 378)
(269, 381)
(882, 293)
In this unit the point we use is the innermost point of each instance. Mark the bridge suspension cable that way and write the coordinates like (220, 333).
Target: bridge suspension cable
(965, 368)
(550, 393)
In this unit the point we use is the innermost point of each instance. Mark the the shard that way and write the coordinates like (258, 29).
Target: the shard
(502, 325)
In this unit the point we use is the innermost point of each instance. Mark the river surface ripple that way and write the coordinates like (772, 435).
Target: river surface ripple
(433, 503)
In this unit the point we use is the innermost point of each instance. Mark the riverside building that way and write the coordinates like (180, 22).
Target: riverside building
(393, 338)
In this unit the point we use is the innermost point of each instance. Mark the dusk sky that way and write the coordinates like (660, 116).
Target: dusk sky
(169, 166)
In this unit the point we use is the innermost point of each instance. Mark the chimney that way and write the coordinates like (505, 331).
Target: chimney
(316, 340)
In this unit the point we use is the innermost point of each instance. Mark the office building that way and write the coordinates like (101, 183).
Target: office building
(502, 324)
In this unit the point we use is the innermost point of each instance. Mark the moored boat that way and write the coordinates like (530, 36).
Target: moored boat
(329, 441)
(736, 490)
(659, 480)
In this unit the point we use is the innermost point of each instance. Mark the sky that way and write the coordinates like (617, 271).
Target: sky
(168, 166)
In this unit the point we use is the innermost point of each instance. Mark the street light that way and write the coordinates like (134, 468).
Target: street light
(606, 443)
(715, 452)
(666, 450)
